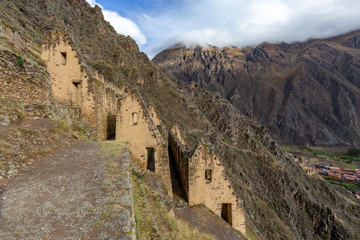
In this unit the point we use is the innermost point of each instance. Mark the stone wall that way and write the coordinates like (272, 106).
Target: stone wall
(27, 82)
(135, 125)
(177, 132)
(73, 83)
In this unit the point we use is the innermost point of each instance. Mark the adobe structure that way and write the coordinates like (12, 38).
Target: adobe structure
(112, 113)
(75, 84)
(137, 125)
(122, 115)
(204, 181)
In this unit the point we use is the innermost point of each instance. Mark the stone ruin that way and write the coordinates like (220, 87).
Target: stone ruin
(204, 181)
(123, 116)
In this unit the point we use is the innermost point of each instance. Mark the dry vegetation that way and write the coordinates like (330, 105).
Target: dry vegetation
(153, 216)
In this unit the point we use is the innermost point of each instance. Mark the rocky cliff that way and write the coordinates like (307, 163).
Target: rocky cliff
(280, 200)
(305, 93)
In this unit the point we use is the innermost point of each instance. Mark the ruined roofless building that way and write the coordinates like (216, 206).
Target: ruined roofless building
(122, 115)
(204, 181)
(112, 113)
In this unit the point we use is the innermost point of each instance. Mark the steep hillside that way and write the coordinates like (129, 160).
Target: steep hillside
(280, 200)
(305, 93)
(275, 186)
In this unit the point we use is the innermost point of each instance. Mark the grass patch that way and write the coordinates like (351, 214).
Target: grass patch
(5, 150)
(47, 151)
(29, 131)
(180, 230)
(12, 108)
(250, 234)
(111, 210)
(318, 150)
(286, 148)
(137, 174)
(111, 148)
(4, 166)
(305, 149)
(111, 207)
(75, 127)
(151, 211)
(64, 125)
(349, 159)
(144, 225)
(348, 186)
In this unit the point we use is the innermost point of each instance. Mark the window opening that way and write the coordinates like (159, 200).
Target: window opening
(134, 118)
(63, 58)
(208, 176)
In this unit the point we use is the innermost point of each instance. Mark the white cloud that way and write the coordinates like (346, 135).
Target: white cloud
(242, 22)
(91, 2)
(122, 25)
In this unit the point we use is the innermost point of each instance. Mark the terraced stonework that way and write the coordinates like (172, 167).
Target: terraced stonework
(79, 193)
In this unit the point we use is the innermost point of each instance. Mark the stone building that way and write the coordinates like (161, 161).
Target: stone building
(204, 181)
(138, 126)
(75, 84)
(123, 115)
(111, 112)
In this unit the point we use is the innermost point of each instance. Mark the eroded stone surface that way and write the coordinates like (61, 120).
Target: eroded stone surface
(63, 197)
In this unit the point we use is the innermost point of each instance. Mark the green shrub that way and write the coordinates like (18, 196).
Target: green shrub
(353, 152)
(20, 61)
(306, 149)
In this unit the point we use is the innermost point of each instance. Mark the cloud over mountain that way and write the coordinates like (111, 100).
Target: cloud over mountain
(159, 24)
(241, 22)
(121, 24)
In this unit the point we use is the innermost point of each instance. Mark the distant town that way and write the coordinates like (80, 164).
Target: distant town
(338, 174)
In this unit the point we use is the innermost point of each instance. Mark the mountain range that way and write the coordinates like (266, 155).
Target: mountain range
(305, 93)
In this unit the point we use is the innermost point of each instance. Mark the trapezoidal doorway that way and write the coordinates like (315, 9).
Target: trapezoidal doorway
(226, 213)
(150, 159)
(76, 93)
(111, 127)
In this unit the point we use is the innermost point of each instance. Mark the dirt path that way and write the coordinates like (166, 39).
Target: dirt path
(76, 193)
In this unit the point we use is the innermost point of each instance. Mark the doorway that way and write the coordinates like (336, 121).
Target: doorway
(76, 92)
(150, 159)
(226, 213)
(176, 183)
(111, 126)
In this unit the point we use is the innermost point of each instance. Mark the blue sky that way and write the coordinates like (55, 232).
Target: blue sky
(159, 24)
(129, 9)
